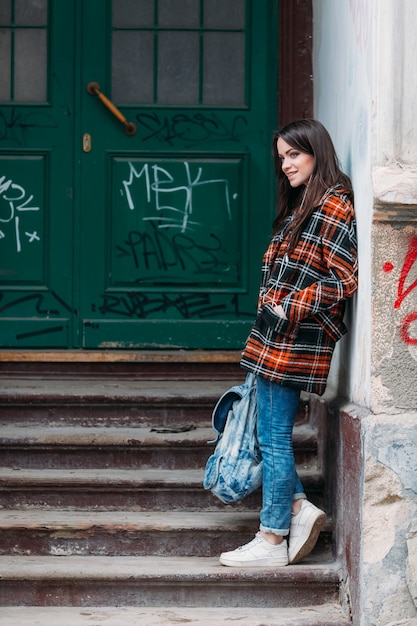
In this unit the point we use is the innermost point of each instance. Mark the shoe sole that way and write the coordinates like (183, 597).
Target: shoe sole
(310, 542)
(259, 563)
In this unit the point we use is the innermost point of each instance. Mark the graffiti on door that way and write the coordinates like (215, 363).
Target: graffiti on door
(159, 182)
(176, 229)
(16, 201)
(192, 129)
(183, 220)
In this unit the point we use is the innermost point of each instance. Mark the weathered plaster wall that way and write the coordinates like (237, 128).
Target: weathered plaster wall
(342, 101)
(394, 237)
(364, 55)
(394, 313)
(395, 87)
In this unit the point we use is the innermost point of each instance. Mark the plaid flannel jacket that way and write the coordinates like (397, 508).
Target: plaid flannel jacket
(312, 284)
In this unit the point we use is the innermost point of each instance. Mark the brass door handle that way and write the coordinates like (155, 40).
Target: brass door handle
(94, 90)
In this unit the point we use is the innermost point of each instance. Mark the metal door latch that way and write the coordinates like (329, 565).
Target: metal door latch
(87, 142)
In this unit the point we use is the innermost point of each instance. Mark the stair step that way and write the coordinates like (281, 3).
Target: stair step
(161, 581)
(132, 489)
(39, 445)
(99, 401)
(136, 402)
(75, 446)
(64, 532)
(329, 614)
(106, 489)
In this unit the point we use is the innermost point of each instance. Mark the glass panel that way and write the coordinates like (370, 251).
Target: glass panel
(5, 64)
(132, 67)
(5, 12)
(30, 66)
(224, 13)
(178, 65)
(224, 68)
(179, 13)
(133, 13)
(31, 12)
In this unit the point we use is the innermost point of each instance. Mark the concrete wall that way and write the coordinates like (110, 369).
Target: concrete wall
(364, 55)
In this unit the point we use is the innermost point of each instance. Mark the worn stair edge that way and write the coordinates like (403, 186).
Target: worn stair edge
(99, 478)
(29, 434)
(155, 581)
(158, 569)
(324, 615)
(65, 521)
(66, 533)
(131, 490)
(74, 521)
(82, 390)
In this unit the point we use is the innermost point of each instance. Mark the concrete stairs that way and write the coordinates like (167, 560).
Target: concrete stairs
(103, 518)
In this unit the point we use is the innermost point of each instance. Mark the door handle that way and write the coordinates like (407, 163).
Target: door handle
(94, 90)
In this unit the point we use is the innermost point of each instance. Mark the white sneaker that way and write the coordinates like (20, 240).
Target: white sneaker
(304, 531)
(257, 553)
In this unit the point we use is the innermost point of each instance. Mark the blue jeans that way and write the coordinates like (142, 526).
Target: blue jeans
(277, 408)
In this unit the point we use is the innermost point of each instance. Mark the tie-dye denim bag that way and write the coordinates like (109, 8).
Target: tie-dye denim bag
(234, 470)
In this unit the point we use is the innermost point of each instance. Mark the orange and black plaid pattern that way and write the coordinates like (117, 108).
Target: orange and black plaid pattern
(312, 284)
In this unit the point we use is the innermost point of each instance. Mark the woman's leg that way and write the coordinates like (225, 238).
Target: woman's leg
(282, 489)
(277, 408)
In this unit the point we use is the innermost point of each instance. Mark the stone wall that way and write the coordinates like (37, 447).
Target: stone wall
(389, 533)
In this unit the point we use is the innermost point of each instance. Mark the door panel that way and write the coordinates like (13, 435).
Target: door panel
(165, 265)
(36, 175)
(158, 228)
(172, 207)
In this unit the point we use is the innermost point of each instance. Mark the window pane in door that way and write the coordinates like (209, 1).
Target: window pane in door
(30, 62)
(133, 67)
(31, 12)
(5, 78)
(178, 67)
(224, 69)
(179, 13)
(133, 13)
(224, 14)
(5, 12)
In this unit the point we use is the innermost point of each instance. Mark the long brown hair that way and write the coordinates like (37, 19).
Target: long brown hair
(311, 137)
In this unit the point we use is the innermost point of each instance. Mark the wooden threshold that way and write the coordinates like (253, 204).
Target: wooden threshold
(78, 356)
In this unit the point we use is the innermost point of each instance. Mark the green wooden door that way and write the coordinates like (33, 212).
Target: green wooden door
(164, 229)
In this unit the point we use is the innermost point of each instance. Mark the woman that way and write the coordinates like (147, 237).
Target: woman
(308, 272)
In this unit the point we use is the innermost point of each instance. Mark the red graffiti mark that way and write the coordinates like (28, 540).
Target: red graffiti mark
(410, 259)
(405, 334)
(403, 291)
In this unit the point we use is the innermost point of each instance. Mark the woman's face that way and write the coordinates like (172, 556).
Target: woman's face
(296, 165)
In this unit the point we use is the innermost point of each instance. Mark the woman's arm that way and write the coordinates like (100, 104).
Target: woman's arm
(339, 250)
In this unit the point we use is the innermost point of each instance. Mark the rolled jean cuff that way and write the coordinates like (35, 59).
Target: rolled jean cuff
(300, 496)
(274, 531)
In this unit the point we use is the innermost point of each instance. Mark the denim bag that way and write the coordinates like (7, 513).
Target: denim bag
(234, 470)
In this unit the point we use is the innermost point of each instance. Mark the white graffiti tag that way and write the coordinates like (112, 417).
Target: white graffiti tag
(17, 202)
(162, 190)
